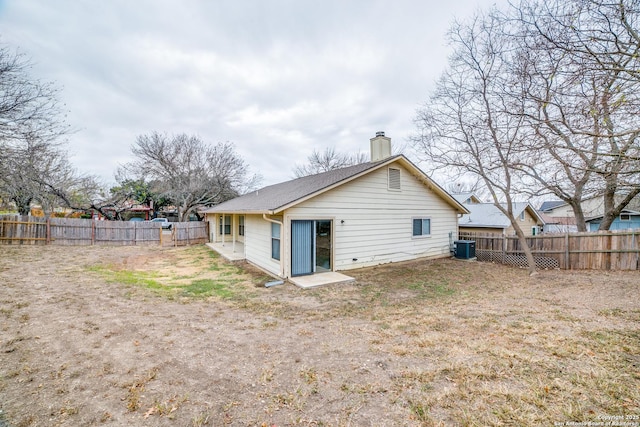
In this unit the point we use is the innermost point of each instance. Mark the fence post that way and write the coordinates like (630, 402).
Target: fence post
(504, 248)
(567, 256)
(48, 232)
(636, 246)
(93, 231)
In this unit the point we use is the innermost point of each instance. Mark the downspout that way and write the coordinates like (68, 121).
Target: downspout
(264, 216)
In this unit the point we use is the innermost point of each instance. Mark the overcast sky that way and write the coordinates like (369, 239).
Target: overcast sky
(276, 78)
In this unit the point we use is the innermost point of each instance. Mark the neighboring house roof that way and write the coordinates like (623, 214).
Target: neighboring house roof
(278, 197)
(551, 204)
(466, 197)
(562, 220)
(487, 215)
(624, 211)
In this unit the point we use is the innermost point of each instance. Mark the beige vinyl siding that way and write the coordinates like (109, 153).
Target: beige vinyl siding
(258, 243)
(561, 211)
(526, 225)
(590, 207)
(378, 222)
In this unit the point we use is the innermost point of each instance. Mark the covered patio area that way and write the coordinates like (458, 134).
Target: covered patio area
(231, 251)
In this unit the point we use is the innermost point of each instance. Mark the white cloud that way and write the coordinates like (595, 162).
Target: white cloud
(278, 78)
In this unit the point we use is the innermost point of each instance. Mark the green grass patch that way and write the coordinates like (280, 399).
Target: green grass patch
(129, 277)
(206, 276)
(432, 288)
(171, 286)
(208, 287)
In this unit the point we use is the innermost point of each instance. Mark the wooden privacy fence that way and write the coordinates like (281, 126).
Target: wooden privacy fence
(17, 230)
(618, 250)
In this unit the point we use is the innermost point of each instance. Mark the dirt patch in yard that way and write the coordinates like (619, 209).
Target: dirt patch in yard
(154, 336)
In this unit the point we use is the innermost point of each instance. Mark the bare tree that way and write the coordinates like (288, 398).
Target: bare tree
(555, 85)
(190, 172)
(579, 71)
(468, 127)
(33, 165)
(40, 172)
(29, 108)
(328, 160)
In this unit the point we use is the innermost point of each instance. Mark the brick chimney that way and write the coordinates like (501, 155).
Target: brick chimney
(380, 147)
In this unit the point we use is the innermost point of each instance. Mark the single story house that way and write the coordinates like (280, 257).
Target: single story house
(558, 215)
(487, 218)
(558, 224)
(561, 213)
(627, 220)
(386, 210)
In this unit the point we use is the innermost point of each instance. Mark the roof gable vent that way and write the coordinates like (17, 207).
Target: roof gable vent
(394, 179)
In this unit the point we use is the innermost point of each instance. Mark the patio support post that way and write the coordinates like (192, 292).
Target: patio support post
(233, 233)
(223, 224)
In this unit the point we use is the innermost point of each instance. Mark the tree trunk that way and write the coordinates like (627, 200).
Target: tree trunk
(578, 214)
(23, 205)
(531, 262)
(183, 211)
(613, 210)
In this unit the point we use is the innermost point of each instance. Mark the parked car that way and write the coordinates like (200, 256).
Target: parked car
(164, 222)
(136, 219)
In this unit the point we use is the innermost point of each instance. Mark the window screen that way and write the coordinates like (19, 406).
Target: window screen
(421, 226)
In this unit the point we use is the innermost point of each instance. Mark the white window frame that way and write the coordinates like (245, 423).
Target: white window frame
(227, 225)
(275, 237)
(422, 219)
(241, 225)
(628, 217)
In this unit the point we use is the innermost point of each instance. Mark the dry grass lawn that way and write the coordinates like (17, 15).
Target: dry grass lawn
(149, 336)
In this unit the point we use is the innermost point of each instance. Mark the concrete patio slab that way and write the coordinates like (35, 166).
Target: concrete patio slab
(229, 251)
(320, 279)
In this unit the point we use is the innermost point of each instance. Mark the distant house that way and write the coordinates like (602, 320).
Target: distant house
(467, 198)
(560, 214)
(487, 218)
(383, 211)
(129, 210)
(549, 206)
(627, 220)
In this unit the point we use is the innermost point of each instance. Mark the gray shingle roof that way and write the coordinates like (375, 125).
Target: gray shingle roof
(488, 215)
(273, 197)
(462, 197)
(551, 204)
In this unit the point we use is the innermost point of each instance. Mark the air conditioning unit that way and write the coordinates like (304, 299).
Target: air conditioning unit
(465, 249)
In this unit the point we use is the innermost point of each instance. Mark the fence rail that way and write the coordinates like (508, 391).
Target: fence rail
(568, 251)
(20, 230)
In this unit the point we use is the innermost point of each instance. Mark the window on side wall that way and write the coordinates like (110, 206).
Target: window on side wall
(421, 227)
(241, 226)
(227, 224)
(275, 241)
